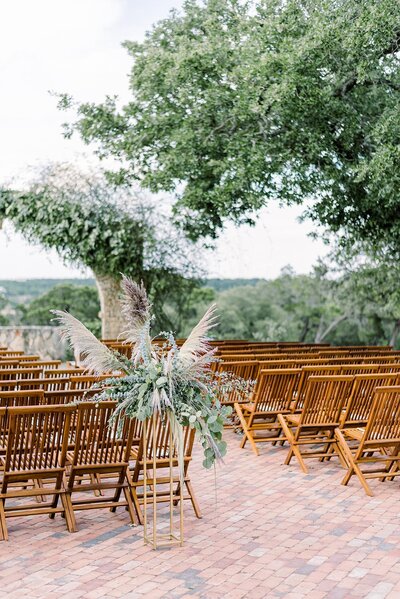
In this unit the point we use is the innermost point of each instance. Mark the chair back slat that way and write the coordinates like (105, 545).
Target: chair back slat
(275, 389)
(161, 433)
(313, 370)
(363, 392)
(16, 374)
(384, 421)
(37, 438)
(100, 438)
(324, 399)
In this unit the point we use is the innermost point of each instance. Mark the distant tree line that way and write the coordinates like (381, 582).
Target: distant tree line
(362, 306)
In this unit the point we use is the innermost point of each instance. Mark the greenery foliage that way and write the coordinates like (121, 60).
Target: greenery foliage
(88, 221)
(339, 307)
(3, 304)
(235, 103)
(360, 305)
(83, 301)
(109, 230)
(175, 383)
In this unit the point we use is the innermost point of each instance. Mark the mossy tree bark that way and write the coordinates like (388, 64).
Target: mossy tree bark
(112, 324)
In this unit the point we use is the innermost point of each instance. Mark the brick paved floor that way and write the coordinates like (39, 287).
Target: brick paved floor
(273, 532)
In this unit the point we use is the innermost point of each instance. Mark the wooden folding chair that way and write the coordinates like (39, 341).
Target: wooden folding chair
(46, 384)
(57, 372)
(145, 453)
(246, 370)
(31, 397)
(18, 373)
(355, 369)
(36, 451)
(378, 444)
(306, 373)
(273, 395)
(87, 381)
(9, 364)
(358, 408)
(100, 459)
(324, 399)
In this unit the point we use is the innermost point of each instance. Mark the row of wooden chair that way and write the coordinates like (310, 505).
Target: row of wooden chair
(32, 396)
(327, 411)
(52, 455)
(250, 370)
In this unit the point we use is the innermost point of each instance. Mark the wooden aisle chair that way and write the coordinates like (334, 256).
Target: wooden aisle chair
(36, 451)
(47, 384)
(306, 373)
(273, 395)
(57, 372)
(15, 399)
(358, 408)
(87, 381)
(356, 411)
(142, 453)
(100, 459)
(16, 374)
(324, 399)
(247, 370)
(378, 444)
(46, 364)
(355, 369)
(8, 364)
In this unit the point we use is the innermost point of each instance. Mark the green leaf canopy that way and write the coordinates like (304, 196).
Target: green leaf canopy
(237, 103)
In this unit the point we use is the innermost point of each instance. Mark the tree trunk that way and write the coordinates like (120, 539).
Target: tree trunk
(320, 329)
(395, 334)
(321, 334)
(306, 328)
(112, 324)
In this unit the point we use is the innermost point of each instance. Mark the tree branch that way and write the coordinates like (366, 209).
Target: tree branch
(351, 82)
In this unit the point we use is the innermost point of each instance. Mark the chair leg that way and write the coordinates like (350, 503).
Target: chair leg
(69, 512)
(130, 506)
(293, 446)
(247, 433)
(136, 503)
(193, 499)
(38, 484)
(118, 490)
(328, 447)
(95, 480)
(3, 523)
(278, 435)
(353, 466)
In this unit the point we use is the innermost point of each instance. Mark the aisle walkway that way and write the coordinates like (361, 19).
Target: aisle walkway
(271, 532)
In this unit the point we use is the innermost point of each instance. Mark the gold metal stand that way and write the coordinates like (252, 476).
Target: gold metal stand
(152, 536)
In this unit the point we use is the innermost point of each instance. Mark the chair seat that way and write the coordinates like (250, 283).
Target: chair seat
(293, 418)
(354, 433)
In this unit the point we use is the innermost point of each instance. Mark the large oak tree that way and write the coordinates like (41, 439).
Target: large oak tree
(236, 103)
(92, 224)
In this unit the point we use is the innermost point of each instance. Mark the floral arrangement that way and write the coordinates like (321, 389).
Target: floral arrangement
(178, 383)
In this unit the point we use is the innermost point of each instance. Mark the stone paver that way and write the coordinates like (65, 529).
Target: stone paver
(267, 531)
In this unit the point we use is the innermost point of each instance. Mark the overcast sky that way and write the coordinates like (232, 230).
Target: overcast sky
(74, 46)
